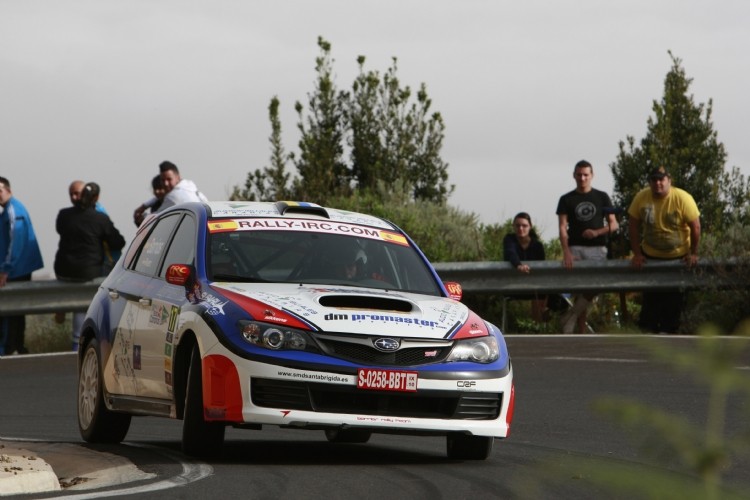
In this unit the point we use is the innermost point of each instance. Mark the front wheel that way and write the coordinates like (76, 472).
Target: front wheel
(96, 423)
(467, 447)
(199, 438)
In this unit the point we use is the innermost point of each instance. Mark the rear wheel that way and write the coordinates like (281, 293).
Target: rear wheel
(96, 423)
(199, 438)
(348, 435)
(467, 447)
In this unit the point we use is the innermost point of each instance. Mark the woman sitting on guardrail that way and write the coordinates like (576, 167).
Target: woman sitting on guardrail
(524, 245)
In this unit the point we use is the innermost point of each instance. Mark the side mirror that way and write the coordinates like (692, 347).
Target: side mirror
(454, 290)
(180, 274)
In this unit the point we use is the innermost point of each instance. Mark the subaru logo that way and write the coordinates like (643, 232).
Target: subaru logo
(387, 345)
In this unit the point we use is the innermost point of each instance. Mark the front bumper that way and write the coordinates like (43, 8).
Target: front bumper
(275, 395)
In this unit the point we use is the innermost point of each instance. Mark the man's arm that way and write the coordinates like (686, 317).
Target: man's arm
(634, 231)
(613, 225)
(695, 239)
(138, 213)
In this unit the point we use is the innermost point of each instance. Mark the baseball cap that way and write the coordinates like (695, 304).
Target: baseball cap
(658, 173)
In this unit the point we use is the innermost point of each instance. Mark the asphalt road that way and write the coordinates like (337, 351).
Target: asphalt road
(557, 448)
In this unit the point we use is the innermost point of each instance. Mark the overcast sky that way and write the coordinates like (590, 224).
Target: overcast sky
(104, 90)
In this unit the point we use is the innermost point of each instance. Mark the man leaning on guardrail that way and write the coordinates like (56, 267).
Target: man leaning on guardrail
(583, 234)
(664, 225)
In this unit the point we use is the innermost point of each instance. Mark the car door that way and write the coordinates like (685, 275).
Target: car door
(132, 294)
(125, 290)
(159, 313)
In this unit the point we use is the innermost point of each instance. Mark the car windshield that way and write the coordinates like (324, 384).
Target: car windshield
(286, 256)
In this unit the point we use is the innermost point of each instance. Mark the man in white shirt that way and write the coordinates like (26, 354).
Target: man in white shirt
(178, 190)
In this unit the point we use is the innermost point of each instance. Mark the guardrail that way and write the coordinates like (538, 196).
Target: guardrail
(47, 296)
(40, 297)
(550, 276)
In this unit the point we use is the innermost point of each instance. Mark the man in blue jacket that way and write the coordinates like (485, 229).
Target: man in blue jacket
(19, 257)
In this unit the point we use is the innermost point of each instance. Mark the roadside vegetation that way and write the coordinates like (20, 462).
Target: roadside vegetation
(376, 147)
(44, 335)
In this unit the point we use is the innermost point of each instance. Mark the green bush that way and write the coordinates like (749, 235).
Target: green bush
(444, 233)
(723, 308)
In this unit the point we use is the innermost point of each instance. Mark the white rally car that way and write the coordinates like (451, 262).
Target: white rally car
(288, 314)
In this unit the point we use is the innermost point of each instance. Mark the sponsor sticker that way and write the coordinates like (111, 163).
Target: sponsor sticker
(173, 314)
(159, 315)
(387, 380)
(214, 305)
(276, 224)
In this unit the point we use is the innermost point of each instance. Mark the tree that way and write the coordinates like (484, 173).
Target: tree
(368, 151)
(681, 138)
(321, 167)
(272, 182)
(393, 139)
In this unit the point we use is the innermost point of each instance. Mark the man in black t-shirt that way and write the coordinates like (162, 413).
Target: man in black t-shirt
(583, 232)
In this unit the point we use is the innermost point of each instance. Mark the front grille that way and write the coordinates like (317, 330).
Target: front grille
(329, 398)
(362, 353)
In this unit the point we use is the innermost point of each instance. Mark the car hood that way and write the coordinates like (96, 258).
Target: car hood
(353, 310)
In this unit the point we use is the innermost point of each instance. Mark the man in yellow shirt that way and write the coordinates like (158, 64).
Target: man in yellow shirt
(664, 224)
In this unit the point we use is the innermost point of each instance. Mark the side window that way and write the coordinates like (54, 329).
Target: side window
(182, 248)
(135, 245)
(156, 243)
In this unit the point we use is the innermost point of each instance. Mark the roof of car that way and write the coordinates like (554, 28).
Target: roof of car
(291, 209)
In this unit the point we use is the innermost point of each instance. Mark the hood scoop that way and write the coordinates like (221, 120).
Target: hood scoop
(366, 302)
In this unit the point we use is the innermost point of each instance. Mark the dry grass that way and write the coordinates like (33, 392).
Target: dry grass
(43, 335)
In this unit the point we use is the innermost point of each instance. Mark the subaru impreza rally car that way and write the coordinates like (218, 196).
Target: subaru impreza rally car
(288, 314)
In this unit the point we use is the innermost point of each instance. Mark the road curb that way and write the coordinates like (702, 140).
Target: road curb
(39, 466)
(23, 472)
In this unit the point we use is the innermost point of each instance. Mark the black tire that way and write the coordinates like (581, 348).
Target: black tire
(96, 423)
(467, 447)
(348, 435)
(199, 438)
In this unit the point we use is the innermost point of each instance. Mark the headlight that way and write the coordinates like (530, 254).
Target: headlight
(479, 350)
(273, 337)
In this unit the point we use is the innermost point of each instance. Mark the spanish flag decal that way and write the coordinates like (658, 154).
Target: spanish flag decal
(393, 238)
(222, 226)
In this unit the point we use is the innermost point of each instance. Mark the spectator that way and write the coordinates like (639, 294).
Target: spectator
(524, 245)
(664, 225)
(110, 257)
(583, 233)
(74, 191)
(19, 257)
(83, 233)
(178, 190)
(157, 186)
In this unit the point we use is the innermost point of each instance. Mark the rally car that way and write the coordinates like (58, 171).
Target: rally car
(288, 314)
